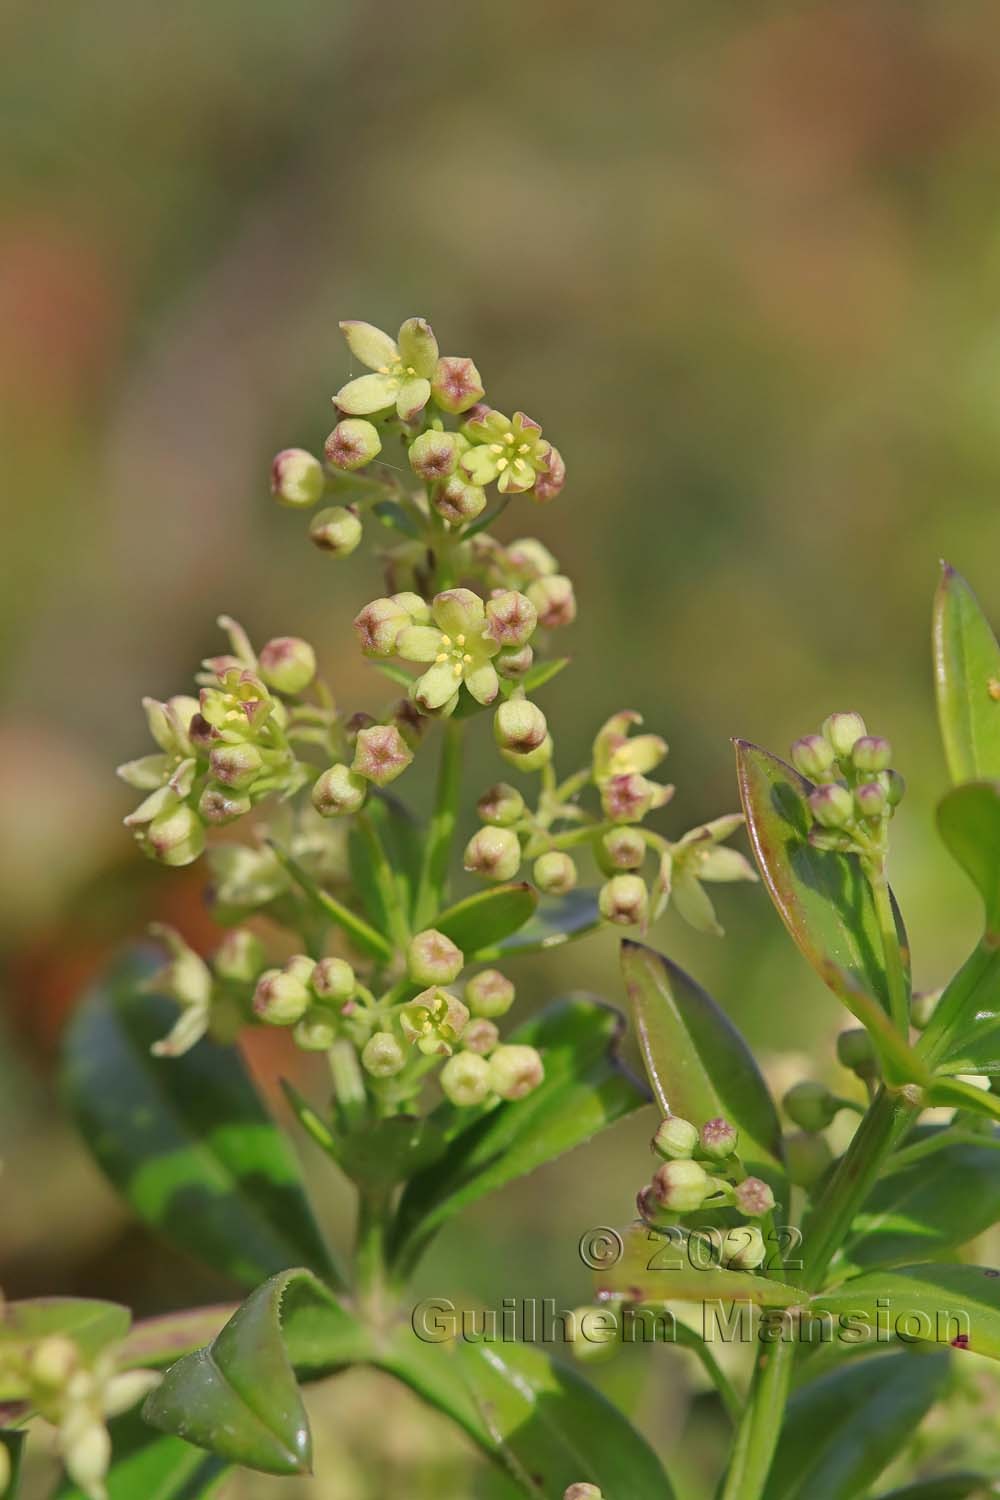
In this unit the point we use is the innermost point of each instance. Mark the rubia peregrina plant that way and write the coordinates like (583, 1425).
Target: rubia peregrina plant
(340, 926)
(839, 1261)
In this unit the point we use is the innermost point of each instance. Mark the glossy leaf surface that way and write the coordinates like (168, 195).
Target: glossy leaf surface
(186, 1140)
(654, 1268)
(558, 920)
(487, 917)
(938, 1303)
(966, 668)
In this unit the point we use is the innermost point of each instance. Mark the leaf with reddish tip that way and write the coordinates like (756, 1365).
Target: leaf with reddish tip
(654, 1268)
(936, 1303)
(239, 1397)
(823, 898)
(966, 677)
(698, 1063)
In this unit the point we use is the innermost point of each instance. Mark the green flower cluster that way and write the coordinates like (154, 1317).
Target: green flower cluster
(227, 750)
(701, 1170)
(855, 790)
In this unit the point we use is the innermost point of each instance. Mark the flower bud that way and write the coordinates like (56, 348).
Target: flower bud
(527, 761)
(519, 725)
(719, 1138)
(807, 1157)
(843, 732)
(378, 625)
(315, 1032)
(621, 848)
(624, 900)
(511, 618)
(337, 529)
(435, 455)
(810, 1106)
(514, 661)
(352, 444)
(681, 1186)
(871, 753)
(239, 957)
(480, 1036)
(754, 1198)
(675, 1139)
(302, 967)
(554, 599)
(236, 766)
(628, 798)
(493, 852)
(281, 998)
(648, 1206)
(465, 1079)
(549, 484)
(176, 836)
(856, 1050)
(432, 958)
(489, 994)
(528, 559)
(743, 1249)
(813, 756)
(381, 754)
(456, 384)
(288, 664)
(338, 791)
(418, 611)
(870, 800)
(832, 805)
(515, 1071)
(218, 806)
(582, 1492)
(334, 981)
(297, 479)
(383, 1055)
(502, 805)
(555, 873)
(458, 500)
(895, 787)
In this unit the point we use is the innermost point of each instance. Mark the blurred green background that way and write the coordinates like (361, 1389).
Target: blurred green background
(743, 262)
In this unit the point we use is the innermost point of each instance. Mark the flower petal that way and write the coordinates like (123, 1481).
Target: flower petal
(369, 393)
(369, 344)
(483, 682)
(413, 396)
(480, 465)
(153, 805)
(419, 643)
(146, 773)
(692, 902)
(459, 612)
(189, 1028)
(433, 690)
(725, 864)
(418, 348)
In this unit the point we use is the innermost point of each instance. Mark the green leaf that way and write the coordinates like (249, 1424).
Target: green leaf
(384, 1153)
(542, 672)
(969, 822)
(239, 1397)
(585, 1089)
(841, 1430)
(823, 898)
(401, 836)
(558, 920)
(945, 1487)
(697, 1061)
(154, 1343)
(953, 1093)
(966, 665)
(653, 1268)
(152, 1466)
(186, 1140)
(968, 1012)
(13, 1440)
(934, 1303)
(929, 1207)
(89, 1323)
(485, 918)
(536, 1417)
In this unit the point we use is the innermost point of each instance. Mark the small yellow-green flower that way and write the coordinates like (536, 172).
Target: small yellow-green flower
(403, 369)
(694, 859)
(458, 648)
(510, 450)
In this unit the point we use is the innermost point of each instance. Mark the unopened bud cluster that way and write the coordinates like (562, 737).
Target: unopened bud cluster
(701, 1170)
(855, 790)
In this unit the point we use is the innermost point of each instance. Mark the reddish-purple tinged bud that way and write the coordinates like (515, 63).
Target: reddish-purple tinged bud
(281, 998)
(515, 1071)
(480, 1036)
(378, 625)
(512, 664)
(502, 805)
(381, 754)
(175, 836)
(549, 484)
(843, 732)
(870, 800)
(383, 1055)
(832, 805)
(297, 479)
(288, 664)
(336, 530)
(334, 981)
(434, 455)
(813, 756)
(624, 900)
(456, 385)
(465, 1079)
(489, 994)
(410, 722)
(493, 852)
(519, 725)
(621, 848)
(754, 1198)
(339, 791)
(871, 753)
(511, 618)
(432, 958)
(457, 500)
(675, 1139)
(219, 805)
(554, 599)
(681, 1186)
(719, 1138)
(555, 873)
(352, 444)
(236, 766)
(628, 798)
(239, 957)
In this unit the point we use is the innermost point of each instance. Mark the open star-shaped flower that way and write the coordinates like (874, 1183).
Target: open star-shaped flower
(458, 649)
(403, 368)
(510, 450)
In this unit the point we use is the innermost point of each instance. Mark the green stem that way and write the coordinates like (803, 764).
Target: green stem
(364, 935)
(437, 851)
(899, 1005)
(385, 880)
(374, 1216)
(758, 1432)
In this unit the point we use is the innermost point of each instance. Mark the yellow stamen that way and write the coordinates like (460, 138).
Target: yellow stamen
(446, 640)
(442, 656)
(519, 463)
(460, 640)
(496, 447)
(410, 370)
(457, 669)
(523, 448)
(501, 464)
(466, 658)
(508, 437)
